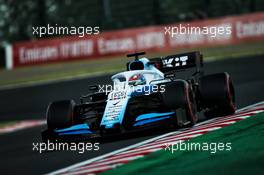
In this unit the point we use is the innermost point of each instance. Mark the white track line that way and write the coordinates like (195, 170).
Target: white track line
(20, 125)
(104, 161)
(109, 154)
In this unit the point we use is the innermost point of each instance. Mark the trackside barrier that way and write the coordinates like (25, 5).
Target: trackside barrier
(244, 28)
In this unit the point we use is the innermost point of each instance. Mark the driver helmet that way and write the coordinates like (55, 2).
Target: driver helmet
(137, 79)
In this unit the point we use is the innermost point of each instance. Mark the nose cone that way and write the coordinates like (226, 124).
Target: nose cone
(115, 109)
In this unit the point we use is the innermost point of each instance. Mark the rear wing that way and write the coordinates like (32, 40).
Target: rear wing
(179, 62)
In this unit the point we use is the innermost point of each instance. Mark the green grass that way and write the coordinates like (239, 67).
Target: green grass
(246, 156)
(71, 70)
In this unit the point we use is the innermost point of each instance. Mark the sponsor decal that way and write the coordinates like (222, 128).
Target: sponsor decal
(227, 30)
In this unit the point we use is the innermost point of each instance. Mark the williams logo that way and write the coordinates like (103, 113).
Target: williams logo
(175, 61)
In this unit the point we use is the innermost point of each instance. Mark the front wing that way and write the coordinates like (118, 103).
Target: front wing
(81, 132)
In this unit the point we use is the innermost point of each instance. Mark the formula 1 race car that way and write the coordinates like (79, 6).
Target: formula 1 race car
(150, 93)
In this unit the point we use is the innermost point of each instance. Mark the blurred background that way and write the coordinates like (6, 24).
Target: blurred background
(132, 17)
(18, 17)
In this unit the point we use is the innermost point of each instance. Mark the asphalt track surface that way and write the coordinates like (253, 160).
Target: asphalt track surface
(16, 155)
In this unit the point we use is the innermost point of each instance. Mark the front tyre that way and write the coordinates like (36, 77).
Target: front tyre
(60, 114)
(179, 97)
(217, 95)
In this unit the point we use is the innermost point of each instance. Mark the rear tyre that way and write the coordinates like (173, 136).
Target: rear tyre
(179, 97)
(60, 114)
(217, 95)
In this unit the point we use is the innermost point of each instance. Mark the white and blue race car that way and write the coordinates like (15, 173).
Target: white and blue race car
(151, 93)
